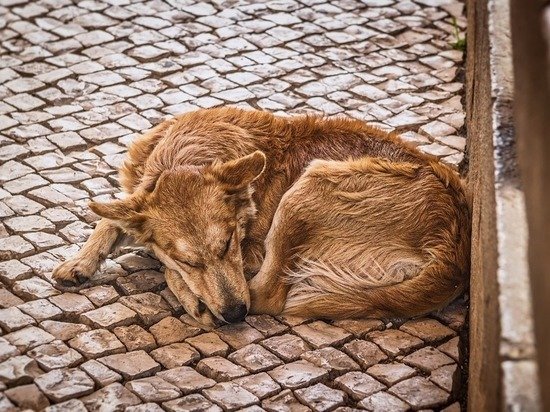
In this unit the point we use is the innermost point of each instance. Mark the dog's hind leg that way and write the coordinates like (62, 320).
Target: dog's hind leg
(78, 270)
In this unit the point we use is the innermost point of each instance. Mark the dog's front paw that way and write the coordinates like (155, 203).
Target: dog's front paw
(264, 300)
(74, 272)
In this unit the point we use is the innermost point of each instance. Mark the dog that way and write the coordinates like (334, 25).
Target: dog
(306, 216)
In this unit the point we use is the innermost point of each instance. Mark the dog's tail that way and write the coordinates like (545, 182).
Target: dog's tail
(337, 294)
(401, 286)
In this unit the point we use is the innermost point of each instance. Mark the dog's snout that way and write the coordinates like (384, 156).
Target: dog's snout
(235, 313)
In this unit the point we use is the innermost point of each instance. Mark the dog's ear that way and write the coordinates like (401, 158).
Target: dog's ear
(124, 212)
(241, 172)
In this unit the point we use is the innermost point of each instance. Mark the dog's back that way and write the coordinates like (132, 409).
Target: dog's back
(290, 143)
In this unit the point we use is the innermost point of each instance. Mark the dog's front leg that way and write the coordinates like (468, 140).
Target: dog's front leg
(268, 289)
(81, 268)
(188, 300)
(288, 231)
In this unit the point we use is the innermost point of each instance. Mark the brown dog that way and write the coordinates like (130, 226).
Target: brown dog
(331, 218)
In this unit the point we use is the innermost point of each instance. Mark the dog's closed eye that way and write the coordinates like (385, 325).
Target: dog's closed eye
(195, 265)
(227, 245)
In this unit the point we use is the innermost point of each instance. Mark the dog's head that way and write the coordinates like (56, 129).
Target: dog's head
(194, 219)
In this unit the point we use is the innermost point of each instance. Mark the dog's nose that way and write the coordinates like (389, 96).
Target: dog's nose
(235, 313)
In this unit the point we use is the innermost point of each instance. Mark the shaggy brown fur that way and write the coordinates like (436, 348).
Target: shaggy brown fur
(330, 218)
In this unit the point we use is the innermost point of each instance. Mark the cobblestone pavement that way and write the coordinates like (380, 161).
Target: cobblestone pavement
(78, 79)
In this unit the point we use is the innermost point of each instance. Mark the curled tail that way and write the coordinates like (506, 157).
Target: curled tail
(340, 294)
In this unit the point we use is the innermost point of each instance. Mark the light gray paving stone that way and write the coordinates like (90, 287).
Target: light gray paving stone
(142, 281)
(100, 373)
(448, 378)
(220, 369)
(194, 402)
(134, 337)
(420, 393)
(12, 170)
(63, 330)
(360, 327)
(260, 385)
(364, 352)
(109, 316)
(230, 396)
(113, 396)
(55, 355)
(186, 379)
(145, 407)
(391, 373)
(383, 401)
(7, 350)
(153, 389)
(320, 397)
(297, 374)
(12, 319)
(14, 247)
(427, 359)
(208, 344)
(451, 348)
(19, 370)
(395, 342)
(288, 347)
(255, 358)
(62, 384)
(29, 337)
(101, 295)
(42, 264)
(331, 359)
(41, 309)
(429, 330)
(72, 303)
(13, 270)
(132, 365)
(150, 307)
(97, 343)
(284, 401)
(175, 355)
(42, 241)
(75, 405)
(358, 385)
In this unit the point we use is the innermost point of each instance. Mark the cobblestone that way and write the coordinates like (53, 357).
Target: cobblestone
(18, 370)
(101, 374)
(186, 379)
(79, 81)
(358, 385)
(114, 395)
(321, 398)
(175, 355)
(420, 393)
(60, 385)
(28, 397)
(55, 355)
(132, 365)
(97, 343)
(220, 369)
